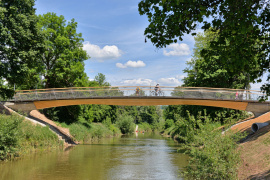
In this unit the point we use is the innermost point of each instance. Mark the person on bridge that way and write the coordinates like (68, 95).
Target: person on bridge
(157, 89)
(137, 91)
(236, 95)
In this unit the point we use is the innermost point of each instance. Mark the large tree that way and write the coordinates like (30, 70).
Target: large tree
(202, 73)
(64, 55)
(243, 23)
(62, 61)
(20, 44)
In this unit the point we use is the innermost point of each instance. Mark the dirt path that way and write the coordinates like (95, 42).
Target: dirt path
(255, 150)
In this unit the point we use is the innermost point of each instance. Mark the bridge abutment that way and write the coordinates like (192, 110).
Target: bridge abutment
(25, 107)
(258, 108)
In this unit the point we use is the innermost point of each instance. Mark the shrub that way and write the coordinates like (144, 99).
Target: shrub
(79, 131)
(169, 123)
(144, 126)
(125, 123)
(212, 154)
(9, 136)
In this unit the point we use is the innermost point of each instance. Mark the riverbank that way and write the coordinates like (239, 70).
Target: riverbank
(19, 136)
(255, 156)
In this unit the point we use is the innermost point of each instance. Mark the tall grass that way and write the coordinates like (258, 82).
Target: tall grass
(18, 137)
(37, 137)
(89, 133)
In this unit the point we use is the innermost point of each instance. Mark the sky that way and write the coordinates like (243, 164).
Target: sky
(113, 33)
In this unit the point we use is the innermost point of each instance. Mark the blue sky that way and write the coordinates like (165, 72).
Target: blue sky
(113, 34)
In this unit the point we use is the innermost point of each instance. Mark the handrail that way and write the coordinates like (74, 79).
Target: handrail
(175, 88)
(145, 91)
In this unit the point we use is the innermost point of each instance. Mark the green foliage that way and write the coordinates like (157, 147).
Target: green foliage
(144, 127)
(37, 137)
(212, 155)
(20, 45)
(211, 72)
(78, 131)
(62, 61)
(169, 123)
(242, 44)
(88, 133)
(9, 136)
(101, 80)
(18, 136)
(125, 124)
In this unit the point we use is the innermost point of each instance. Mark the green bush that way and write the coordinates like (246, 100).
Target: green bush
(169, 123)
(87, 133)
(9, 136)
(115, 130)
(79, 131)
(144, 126)
(18, 136)
(126, 124)
(212, 154)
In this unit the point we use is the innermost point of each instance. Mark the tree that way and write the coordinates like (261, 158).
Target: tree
(20, 44)
(101, 79)
(63, 59)
(202, 73)
(212, 73)
(244, 24)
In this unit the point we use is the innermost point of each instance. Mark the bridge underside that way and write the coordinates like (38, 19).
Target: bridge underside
(142, 102)
(255, 107)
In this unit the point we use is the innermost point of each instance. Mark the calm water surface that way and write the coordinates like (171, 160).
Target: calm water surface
(141, 157)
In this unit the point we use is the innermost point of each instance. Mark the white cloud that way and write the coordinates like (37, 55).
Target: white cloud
(107, 52)
(140, 81)
(177, 50)
(133, 64)
(120, 65)
(180, 76)
(169, 81)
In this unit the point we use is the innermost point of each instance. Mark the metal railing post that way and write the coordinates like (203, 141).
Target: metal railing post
(36, 95)
(54, 94)
(71, 90)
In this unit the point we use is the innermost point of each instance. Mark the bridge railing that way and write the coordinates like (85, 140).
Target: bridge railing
(130, 91)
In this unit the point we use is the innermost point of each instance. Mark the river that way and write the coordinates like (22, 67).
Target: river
(127, 157)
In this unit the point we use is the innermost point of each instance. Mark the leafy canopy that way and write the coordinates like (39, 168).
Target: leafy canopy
(63, 58)
(20, 43)
(244, 24)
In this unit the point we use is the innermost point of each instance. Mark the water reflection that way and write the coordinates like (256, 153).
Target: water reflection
(135, 157)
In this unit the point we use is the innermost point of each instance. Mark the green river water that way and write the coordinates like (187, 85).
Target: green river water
(127, 157)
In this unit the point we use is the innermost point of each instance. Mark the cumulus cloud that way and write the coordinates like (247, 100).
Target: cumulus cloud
(169, 81)
(140, 81)
(101, 54)
(132, 64)
(177, 50)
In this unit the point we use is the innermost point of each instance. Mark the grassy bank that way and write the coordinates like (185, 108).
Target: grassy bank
(86, 133)
(89, 133)
(18, 137)
(213, 155)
